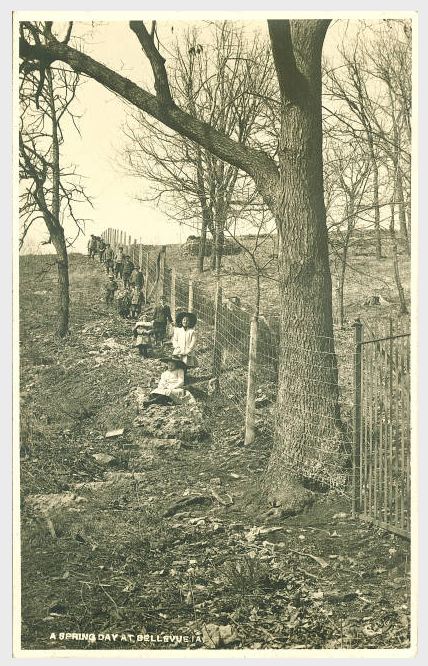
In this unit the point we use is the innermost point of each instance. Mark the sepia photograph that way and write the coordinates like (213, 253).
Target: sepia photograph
(214, 333)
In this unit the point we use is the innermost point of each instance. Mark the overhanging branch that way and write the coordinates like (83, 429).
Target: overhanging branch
(256, 163)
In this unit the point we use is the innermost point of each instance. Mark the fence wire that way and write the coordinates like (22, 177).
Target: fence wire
(320, 364)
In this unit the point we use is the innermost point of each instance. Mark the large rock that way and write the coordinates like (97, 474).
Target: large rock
(55, 503)
(185, 423)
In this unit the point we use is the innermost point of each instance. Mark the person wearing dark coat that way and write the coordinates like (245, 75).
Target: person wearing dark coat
(128, 267)
(110, 289)
(161, 317)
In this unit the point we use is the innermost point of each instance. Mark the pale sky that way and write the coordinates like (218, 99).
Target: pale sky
(96, 152)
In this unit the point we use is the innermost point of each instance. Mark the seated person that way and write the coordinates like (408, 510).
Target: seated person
(142, 334)
(170, 389)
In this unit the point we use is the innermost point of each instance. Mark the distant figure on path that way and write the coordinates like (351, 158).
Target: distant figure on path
(161, 317)
(110, 289)
(109, 259)
(137, 277)
(123, 302)
(137, 280)
(118, 262)
(92, 246)
(135, 302)
(128, 267)
(101, 246)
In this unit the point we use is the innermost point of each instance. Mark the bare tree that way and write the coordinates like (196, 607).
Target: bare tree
(346, 174)
(389, 56)
(222, 77)
(308, 437)
(48, 191)
(370, 97)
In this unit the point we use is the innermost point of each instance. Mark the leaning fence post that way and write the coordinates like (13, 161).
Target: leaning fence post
(217, 347)
(250, 408)
(190, 302)
(356, 454)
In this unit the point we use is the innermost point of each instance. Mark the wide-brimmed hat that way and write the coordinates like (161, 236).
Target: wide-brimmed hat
(190, 316)
(175, 359)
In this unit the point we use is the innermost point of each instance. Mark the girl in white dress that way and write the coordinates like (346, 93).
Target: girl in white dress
(184, 339)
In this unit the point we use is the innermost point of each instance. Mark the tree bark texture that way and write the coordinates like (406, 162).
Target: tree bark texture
(308, 443)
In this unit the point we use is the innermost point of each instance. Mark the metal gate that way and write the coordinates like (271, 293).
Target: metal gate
(381, 460)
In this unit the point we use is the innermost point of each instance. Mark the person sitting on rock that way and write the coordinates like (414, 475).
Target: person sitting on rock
(170, 389)
(184, 339)
(142, 333)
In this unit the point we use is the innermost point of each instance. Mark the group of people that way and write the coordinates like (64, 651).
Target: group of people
(130, 296)
(171, 387)
(151, 325)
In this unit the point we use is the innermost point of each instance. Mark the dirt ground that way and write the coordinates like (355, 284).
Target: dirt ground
(162, 530)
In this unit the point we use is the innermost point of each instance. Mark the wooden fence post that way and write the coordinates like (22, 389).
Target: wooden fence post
(190, 301)
(217, 344)
(161, 277)
(250, 407)
(146, 281)
(356, 453)
(140, 256)
(173, 306)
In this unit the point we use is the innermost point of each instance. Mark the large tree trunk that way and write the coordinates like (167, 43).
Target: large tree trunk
(308, 438)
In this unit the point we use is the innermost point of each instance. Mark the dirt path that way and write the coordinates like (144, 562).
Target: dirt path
(160, 531)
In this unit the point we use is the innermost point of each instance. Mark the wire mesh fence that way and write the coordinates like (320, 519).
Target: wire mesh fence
(245, 358)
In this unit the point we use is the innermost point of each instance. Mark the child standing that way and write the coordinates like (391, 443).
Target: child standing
(110, 289)
(184, 339)
(161, 317)
(135, 302)
(142, 334)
